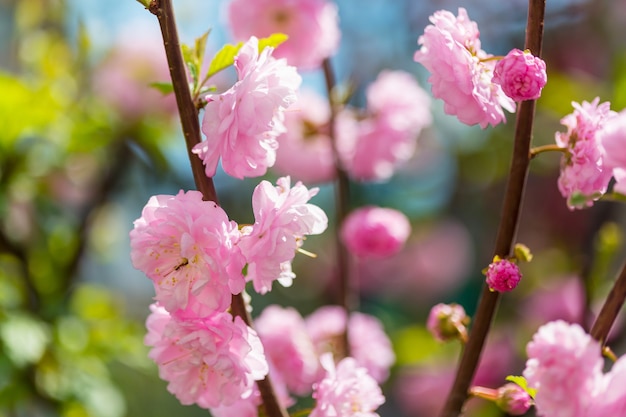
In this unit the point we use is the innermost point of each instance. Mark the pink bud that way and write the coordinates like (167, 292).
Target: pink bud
(521, 75)
(503, 275)
(513, 400)
(375, 231)
(447, 322)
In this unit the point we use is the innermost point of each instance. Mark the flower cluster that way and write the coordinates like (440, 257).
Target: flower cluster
(196, 256)
(461, 72)
(593, 146)
(565, 368)
(521, 75)
(241, 124)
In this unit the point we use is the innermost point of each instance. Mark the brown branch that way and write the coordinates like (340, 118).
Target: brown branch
(610, 309)
(507, 229)
(191, 129)
(347, 297)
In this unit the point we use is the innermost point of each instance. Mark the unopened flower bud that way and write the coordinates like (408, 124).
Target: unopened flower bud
(522, 253)
(447, 322)
(521, 75)
(503, 275)
(513, 400)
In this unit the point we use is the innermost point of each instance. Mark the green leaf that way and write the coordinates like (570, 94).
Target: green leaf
(200, 46)
(223, 59)
(521, 381)
(165, 88)
(273, 41)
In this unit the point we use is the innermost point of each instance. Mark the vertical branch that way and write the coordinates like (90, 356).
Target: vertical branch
(507, 229)
(191, 130)
(347, 297)
(610, 309)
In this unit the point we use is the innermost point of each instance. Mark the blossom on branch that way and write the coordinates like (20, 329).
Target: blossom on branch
(241, 125)
(210, 361)
(187, 247)
(521, 75)
(282, 217)
(461, 72)
(312, 27)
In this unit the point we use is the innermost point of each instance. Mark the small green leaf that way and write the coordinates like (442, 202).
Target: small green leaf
(521, 381)
(223, 59)
(273, 40)
(200, 46)
(165, 88)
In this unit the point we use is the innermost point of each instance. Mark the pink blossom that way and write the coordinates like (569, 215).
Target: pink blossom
(241, 124)
(447, 322)
(305, 150)
(613, 140)
(312, 27)
(282, 217)
(288, 347)
(565, 367)
(346, 390)
(513, 400)
(521, 75)
(210, 361)
(503, 275)
(584, 178)
(369, 344)
(187, 246)
(460, 70)
(388, 136)
(375, 231)
(611, 400)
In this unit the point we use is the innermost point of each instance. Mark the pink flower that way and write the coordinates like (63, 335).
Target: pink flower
(209, 361)
(611, 400)
(513, 400)
(187, 246)
(375, 231)
(288, 347)
(613, 139)
(584, 178)
(282, 218)
(305, 151)
(503, 275)
(346, 390)
(447, 322)
(369, 344)
(460, 72)
(565, 367)
(521, 75)
(312, 27)
(389, 135)
(241, 124)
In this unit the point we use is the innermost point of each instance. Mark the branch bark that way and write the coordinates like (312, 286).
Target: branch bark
(610, 309)
(507, 230)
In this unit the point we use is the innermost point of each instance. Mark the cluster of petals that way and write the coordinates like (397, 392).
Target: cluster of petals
(613, 140)
(461, 72)
(372, 231)
(521, 75)
(282, 217)
(565, 367)
(513, 399)
(447, 322)
(312, 27)
(503, 275)
(209, 361)
(188, 248)
(369, 344)
(584, 177)
(346, 390)
(288, 347)
(241, 125)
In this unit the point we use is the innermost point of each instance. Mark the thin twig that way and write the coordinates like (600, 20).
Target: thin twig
(191, 129)
(507, 229)
(610, 309)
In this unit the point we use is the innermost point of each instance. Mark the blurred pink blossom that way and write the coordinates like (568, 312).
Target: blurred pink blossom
(584, 178)
(312, 27)
(565, 367)
(288, 347)
(513, 400)
(560, 299)
(241, 124)
(460, 70)
(521, 75)
(282, 216)
(209, 361)
(372, 231)
(369, 344)
(187, 246)
(613, 140)
(447, 322)
(346, 391)
(611, 401)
